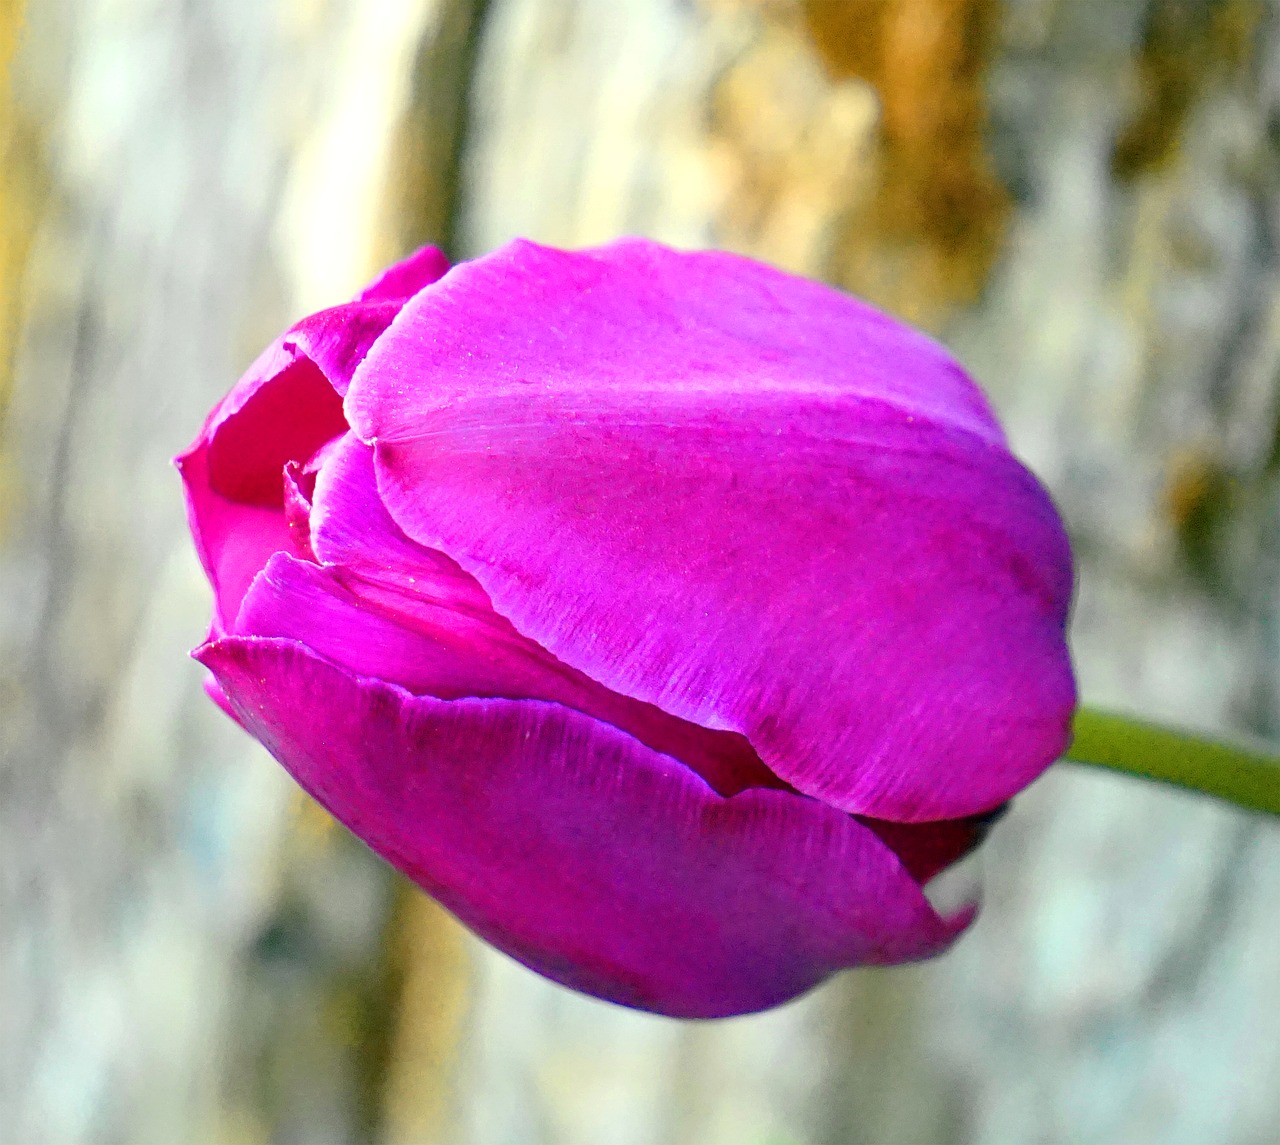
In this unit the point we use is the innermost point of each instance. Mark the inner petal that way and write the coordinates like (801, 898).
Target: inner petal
(386, 607)
(285, 420)
(389, 608)
(927, 849)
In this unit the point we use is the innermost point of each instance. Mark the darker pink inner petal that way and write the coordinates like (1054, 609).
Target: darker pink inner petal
(927, 849)
(298, 488)
(233, 540)
(287, 419)
(281, 413)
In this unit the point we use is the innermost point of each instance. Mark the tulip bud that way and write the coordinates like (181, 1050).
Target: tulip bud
(670, 619)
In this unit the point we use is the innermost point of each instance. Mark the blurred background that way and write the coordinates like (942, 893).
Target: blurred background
(1082, 197)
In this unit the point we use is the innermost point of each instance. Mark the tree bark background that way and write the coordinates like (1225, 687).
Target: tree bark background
(1081, 198)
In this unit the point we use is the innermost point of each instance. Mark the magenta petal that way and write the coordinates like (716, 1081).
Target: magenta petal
(214, 691)
(338, 339)
(297, 511)
(430, 648)
(350, 527)
(470, 650)
(428, 653)
(601, 864)
(403, 279)
(282, 410)
(233, 540)
(638, 316)
(280, 413)
(286, 419)
(741, 497)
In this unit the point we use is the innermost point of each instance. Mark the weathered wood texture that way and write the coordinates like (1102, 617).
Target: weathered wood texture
(1127, 328)
(1080, 197)
(187, 953)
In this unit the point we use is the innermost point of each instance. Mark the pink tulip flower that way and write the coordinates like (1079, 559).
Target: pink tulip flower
(670, 619)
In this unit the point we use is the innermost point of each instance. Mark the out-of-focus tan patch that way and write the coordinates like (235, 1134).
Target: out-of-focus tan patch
(791, 148)
(420, 203)
(850, 138)
(1199, 495)
(11, 13)
(314, 827)
(241, 1127)
(430, 954)
(22, 187)
(926, 240)
(1191, 478)
(1186, 43)
(17, 192)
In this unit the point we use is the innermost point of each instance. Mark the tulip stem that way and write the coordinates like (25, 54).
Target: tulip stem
(1244, 773)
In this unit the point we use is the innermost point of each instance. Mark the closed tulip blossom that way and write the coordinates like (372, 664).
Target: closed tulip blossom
(670, 619)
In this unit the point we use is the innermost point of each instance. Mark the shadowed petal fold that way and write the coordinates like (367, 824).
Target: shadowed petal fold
(600, 863)
(384, 606)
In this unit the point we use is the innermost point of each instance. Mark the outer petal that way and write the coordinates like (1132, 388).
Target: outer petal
(338, 339)
(601, 864)
(405, 278)
(743, 498)
(386, 607)
(636, 315)
(232, 539)
(284, 408)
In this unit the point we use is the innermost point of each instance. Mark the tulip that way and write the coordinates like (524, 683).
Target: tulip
(670, 619)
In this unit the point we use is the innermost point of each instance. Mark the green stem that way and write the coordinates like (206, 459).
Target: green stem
(1246, 774)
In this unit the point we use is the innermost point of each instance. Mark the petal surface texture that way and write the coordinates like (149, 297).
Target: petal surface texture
(600, 863)
(741, 497)
(386, 607)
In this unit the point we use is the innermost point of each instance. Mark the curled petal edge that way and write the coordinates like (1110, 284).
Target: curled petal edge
(602, 864)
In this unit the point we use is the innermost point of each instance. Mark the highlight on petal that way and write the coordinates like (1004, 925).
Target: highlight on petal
(745, 499)
(592, 859)
(638, 316)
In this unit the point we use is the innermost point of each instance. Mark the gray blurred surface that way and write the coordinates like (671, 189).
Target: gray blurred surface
(174, 964)
(190, 953)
